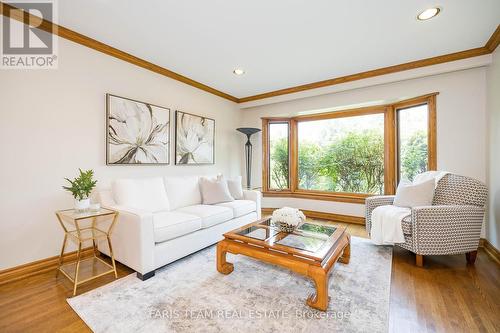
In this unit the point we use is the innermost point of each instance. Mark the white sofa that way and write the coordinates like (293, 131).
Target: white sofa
(163, 219)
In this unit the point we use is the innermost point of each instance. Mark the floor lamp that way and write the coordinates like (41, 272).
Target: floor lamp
(248, 131)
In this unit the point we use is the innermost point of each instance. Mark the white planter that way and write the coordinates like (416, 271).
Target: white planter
(82, 205)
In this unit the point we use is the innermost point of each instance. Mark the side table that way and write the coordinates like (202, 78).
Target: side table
(83, 227)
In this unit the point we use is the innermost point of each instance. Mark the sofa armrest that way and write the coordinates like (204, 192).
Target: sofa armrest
(446, 229)
(133, 239)
(254, 196)
(373, 202)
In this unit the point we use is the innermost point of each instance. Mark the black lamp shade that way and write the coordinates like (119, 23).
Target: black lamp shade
(248, 130)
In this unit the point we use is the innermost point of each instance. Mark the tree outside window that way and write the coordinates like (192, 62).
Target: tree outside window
(348, 152)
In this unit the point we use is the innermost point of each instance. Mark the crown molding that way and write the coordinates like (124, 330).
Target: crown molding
(417, 73)
(494, 40)
(372, 73)
(488, 48)
(24, 17)
(7, 10)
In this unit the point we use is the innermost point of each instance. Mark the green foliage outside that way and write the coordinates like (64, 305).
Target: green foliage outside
(82, 186)
(352, 163)
(414, 156)
(279, 164)
(356, 163)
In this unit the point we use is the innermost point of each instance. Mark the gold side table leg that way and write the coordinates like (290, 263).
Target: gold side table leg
(94, 245)
(62, 254)
(112, 257)
(77, 270)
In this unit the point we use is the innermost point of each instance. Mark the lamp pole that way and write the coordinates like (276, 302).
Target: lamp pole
(248, 151)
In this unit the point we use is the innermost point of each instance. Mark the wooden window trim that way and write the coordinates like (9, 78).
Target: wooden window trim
(390, 148)
(266, 155)
(430, 100)
(390, 160)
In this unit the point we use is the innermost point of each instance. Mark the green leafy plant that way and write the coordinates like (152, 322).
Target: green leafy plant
(353, 162)
(414, 156)
(82, 185)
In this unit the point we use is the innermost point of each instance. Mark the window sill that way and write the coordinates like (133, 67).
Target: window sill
(356, 198)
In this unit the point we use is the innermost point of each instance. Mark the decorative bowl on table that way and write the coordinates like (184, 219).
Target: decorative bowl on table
(288, 219)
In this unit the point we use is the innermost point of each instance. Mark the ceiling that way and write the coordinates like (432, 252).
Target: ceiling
(279, 43)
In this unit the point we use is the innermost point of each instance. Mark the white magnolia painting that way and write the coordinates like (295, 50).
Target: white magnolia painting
(138, 133)
(194, 139)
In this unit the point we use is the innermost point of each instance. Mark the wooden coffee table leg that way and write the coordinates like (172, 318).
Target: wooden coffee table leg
(320, 299)
(223, 266)
(346, 255)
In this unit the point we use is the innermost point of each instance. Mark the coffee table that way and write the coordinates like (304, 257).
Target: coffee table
(311, 250)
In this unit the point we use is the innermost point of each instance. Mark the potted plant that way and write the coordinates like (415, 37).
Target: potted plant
(80, 188)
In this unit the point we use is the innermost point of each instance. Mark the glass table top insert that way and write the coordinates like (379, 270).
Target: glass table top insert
(308, 236)
(258, 232)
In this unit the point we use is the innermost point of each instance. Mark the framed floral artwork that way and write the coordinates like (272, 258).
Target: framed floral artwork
(194, 139)
(138, 133)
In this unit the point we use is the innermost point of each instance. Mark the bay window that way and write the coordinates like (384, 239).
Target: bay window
(351, 154)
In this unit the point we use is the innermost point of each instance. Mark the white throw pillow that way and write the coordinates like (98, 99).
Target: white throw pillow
(436, 175)
(235, 188)
(145, 194)
(413, 195)
(214, 191)
(183, 191)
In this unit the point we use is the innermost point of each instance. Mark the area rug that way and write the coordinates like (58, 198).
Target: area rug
(191, 296)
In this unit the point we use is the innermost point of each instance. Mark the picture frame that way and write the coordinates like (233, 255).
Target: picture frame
(194, 139)
(137, 133)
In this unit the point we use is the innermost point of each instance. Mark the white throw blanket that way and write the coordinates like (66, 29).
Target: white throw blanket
(386, 226)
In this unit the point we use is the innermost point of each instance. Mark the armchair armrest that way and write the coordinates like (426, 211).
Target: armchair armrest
(373, 202)
(255, 196)
(132, 239)
(446, 229)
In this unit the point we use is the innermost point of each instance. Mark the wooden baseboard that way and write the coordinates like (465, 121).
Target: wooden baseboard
(324, 216)
(37, 267)
(50, 264)
(490, 249)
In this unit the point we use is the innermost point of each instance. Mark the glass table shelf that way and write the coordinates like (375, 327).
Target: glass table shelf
(89, 269)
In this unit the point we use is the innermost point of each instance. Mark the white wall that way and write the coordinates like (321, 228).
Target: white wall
(493, 106)
(461, 124)
(53, 121)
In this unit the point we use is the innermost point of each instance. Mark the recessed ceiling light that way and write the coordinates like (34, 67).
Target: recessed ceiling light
(428, 13)
(239, 71)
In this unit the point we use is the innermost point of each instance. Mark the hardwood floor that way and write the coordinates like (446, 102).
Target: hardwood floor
(445, 295)
(38, 303)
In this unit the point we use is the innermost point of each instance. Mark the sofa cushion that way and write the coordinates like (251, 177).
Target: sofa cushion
(240, 207)
(170, 225)
(144, 193)
(210, 215)
(183, 191)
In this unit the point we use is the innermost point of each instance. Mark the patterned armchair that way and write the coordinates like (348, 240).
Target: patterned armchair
(452, 225)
